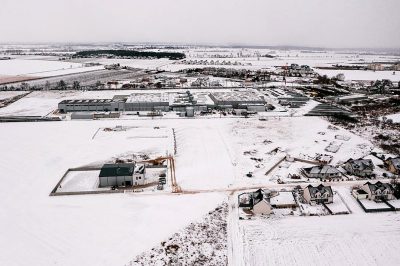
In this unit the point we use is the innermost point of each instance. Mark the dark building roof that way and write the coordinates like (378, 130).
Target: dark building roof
(321, 188)
(249, 199)
(361, 164)
(121, 169)
(379, 186)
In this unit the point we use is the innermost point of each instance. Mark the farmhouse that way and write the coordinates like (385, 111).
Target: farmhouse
(360, 167)
(256, 201)
(378, 191)
(318, 194)
(123, 174)
(322, 172)
(393, 165)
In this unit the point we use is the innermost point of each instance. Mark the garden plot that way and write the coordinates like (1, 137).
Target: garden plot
(313, 210)
(337, 206)
(371, 206)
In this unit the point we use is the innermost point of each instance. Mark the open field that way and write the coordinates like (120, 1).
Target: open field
(41, 68)
(64, 230)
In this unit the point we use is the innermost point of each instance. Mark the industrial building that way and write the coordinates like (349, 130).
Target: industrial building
(147, 102)
(91, 105)
(186, 100)
(237, 99)
(163, 102)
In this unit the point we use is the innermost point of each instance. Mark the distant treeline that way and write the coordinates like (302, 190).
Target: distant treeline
(131, 53)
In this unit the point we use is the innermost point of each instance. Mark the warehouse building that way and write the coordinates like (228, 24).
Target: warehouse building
(121, 175)
(235, 99)
(91, 105)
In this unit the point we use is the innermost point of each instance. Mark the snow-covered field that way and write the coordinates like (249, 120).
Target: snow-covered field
(361, 74)
(114, 229)
(41, 68)
(81, 230)
(9, 94)
(255, 143)
(325, 240)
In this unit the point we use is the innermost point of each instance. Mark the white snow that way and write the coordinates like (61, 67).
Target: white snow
(370, 204)
(361, 74)
(326, 240)
(80, 181)
(41, 68)
(79, 230)
(394, 117)
(283, 198)
(9, 94)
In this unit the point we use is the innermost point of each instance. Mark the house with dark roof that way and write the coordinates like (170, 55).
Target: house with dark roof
(121, 175)
(257, 202)
(393, 165)
(318, 194)
(360, 167)
(322, 172)
(379, 191)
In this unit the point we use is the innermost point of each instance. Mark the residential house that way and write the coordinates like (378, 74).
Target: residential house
(322, 172)
(379, 191)
(393, 165)
(256, 201)
(360, 167)
(318, 194)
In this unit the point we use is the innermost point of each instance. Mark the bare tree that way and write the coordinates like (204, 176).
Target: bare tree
(76, 85)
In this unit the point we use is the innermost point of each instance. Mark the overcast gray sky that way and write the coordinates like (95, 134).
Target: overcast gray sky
(323, 23)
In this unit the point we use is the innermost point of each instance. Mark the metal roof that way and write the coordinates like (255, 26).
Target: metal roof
(121, 169)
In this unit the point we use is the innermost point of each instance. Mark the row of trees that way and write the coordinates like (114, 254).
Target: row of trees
(131, 53)
(60, 85)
